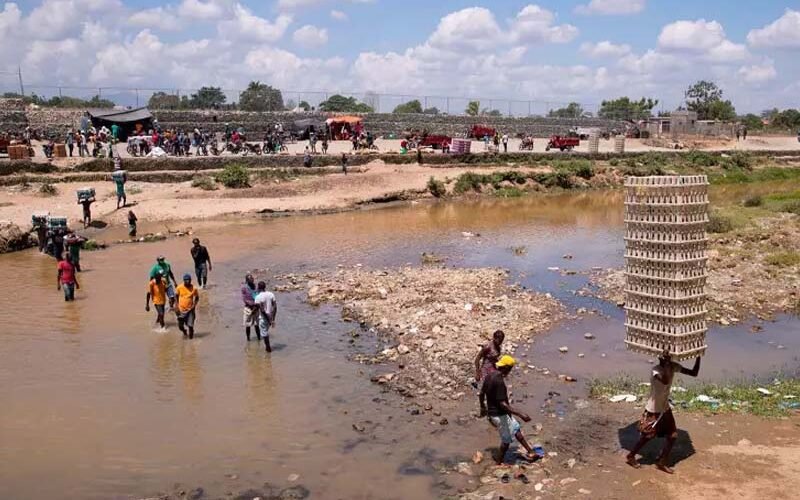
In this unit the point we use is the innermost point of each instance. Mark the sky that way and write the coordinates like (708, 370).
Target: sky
(548, 52)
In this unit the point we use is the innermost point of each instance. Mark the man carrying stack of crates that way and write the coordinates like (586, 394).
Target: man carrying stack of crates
(665, 272)
(86, 197)
(120, 177)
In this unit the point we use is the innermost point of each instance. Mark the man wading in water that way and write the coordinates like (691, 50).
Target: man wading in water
(166, 270)
(267, 310)
(501, 413)
(202, 262)
(486, 359)
(657, 419)
(187, 302)
(250, 313)
(157, 289)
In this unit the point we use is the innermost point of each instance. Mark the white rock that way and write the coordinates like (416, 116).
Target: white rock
(464, 468)
(563, 349)
(538, 486)
(293, 477)
(383, 292)
(581, 355)
(588, 336)
(583, 491)
(571, 463)
(403, 349)
(763, 391)
(620, 397)
(467, 307)
(744, 442)
(567, 480)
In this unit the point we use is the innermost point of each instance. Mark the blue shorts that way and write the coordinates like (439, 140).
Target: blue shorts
(170, 291)
(507, 426)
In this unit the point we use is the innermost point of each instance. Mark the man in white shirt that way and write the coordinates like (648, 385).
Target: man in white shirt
(657, 419)
(268, 310)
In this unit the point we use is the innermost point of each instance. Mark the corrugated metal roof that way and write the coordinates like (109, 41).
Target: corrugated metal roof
(125, 116)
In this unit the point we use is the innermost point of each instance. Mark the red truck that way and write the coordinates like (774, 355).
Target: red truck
(436, 142)
(481, 131)
(563, 143)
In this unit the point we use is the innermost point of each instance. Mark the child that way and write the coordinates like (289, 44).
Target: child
(132, 224)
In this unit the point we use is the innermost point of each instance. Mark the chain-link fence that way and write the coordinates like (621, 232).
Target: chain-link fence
(178, 98)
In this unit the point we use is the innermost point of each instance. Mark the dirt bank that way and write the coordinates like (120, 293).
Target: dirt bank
(752, 270)
(434, 320)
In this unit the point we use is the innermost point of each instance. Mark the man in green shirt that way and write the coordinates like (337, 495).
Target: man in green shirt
(166, 270)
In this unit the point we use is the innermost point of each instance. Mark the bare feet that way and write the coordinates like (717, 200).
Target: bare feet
(631, 460)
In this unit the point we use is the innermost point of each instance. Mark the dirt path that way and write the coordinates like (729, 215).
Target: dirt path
(180, 201)
(716, 457)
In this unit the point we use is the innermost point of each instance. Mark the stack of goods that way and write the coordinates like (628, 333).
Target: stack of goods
(18, 152)
(60, 151)
(118, 175)
(594, 144)
(85, 194)
(57, 223)
(665, 264)
(619, 144)
(460, 146)
(39, 219)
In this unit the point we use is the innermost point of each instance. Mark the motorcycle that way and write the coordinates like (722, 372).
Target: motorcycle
(252, 148)
(213, 147)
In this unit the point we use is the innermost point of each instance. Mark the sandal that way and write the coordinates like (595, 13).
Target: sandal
(505, 479)
(523, 478)
(631, 460)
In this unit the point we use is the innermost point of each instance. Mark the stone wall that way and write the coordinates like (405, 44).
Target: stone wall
(12, 116)
(58, 121)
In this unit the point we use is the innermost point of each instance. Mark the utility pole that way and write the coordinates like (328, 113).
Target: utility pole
(21, 86)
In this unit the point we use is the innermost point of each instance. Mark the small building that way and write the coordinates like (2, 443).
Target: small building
(680, 122)
(130, 121)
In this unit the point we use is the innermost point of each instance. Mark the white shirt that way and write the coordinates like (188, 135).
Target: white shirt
(266, 303)
(658, 402)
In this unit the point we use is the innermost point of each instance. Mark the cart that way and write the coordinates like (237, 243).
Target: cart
(562, 143)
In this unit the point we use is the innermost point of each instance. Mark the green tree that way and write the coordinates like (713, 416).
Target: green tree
(491, 112)
(409, 107)
(431, 111)
(341, 104)
(473, 108)
(751, 121)
(305, 106)
(788, 118)
(720, 110)
(208, 98)
(162, 100)
(572, 110)
(705, 98)
(624, 108)
(261, 97)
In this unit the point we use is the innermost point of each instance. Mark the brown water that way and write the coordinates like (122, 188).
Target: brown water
(96, 404)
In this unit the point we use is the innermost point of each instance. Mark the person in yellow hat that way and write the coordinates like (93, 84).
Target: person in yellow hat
(501, 413)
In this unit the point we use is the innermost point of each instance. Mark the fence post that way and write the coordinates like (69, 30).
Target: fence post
(529, 108)
(448, 105)
(137, 98)
(509, 108)
(99, 92)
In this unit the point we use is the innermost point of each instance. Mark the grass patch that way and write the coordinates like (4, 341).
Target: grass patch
(783, 259)
(234, 176)
(509, 192)
(470, 181)
(431, 258)
(436, 188)
(520, 250)
(204, 182)
(739, 160)
(135, 190)
(696, 158)
(766, 174)
(736, 397)
(577, 167)
(718, 223)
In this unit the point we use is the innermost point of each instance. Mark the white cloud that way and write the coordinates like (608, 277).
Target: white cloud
(156, 18)
(338, 15)
(310, 36)
(56, 19)
(473, 28)
(605, 49)
(535, 24)
(782, 33)
(759, 73)
(9, 20)
(701, 37)
(287, 70)
(296, 4)
(198, 9)
(611, 7)
(247, 26)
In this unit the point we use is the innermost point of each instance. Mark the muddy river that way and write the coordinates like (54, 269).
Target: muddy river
(96, 404)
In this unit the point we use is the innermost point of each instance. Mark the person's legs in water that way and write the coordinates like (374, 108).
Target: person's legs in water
(160, 315)
(69, 292)
(263, 325)
(190, 323)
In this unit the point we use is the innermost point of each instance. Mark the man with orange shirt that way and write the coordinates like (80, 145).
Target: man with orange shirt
(187, 296)
(157, 289)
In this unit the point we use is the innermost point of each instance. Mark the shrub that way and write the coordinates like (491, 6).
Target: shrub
(753, 201)
(469, 181)
(436, 188)
(614, 162)
(719, 223)
(579, 168)
(738, 161)
(783, 259)
(234, 176)
(205, 183)
(48, 189)
(793, 207)
(509, 192)
(700, 159)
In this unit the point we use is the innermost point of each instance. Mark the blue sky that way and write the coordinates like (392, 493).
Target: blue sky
(545, 51)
